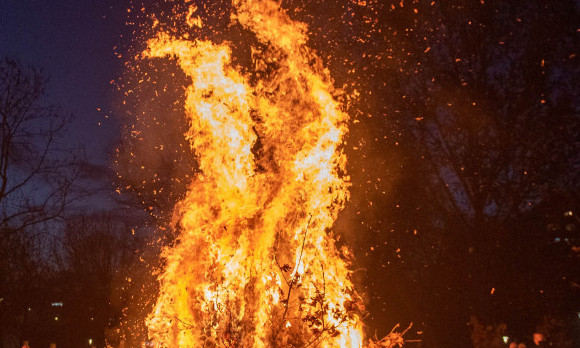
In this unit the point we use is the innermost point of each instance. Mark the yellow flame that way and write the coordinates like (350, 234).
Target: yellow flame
(256, 264)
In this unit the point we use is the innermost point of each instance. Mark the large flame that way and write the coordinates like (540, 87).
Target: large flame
(256, 263)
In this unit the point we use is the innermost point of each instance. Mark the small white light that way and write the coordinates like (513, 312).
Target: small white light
(505, 339)
(55, 318)
(90, 341)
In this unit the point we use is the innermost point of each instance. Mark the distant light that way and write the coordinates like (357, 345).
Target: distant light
(505, 339)
(578, 314)
(557, 239)
(55, 318)
(90, 341)
(56, 304)
(569, 213)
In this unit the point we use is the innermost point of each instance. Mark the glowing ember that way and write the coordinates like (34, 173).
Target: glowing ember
(256, 263)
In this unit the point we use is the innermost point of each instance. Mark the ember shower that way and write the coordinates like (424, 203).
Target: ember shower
(256, 264)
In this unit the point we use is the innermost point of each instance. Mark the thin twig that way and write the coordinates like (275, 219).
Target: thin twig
(292, 282)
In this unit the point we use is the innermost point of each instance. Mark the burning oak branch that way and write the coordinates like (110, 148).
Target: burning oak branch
(256, 263)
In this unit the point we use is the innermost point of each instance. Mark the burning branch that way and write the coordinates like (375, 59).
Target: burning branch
(392, 340)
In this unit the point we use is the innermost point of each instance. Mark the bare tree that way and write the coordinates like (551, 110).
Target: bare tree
(20, 276)
(94, 260)
(489, 124)
(37, 168)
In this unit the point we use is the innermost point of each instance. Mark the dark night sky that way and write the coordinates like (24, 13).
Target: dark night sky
(73, 42)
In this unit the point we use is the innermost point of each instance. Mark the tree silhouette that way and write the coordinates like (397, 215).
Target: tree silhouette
(37, 168)
(487, 121)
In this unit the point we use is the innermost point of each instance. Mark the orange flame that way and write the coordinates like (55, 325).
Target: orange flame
(256, 264)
